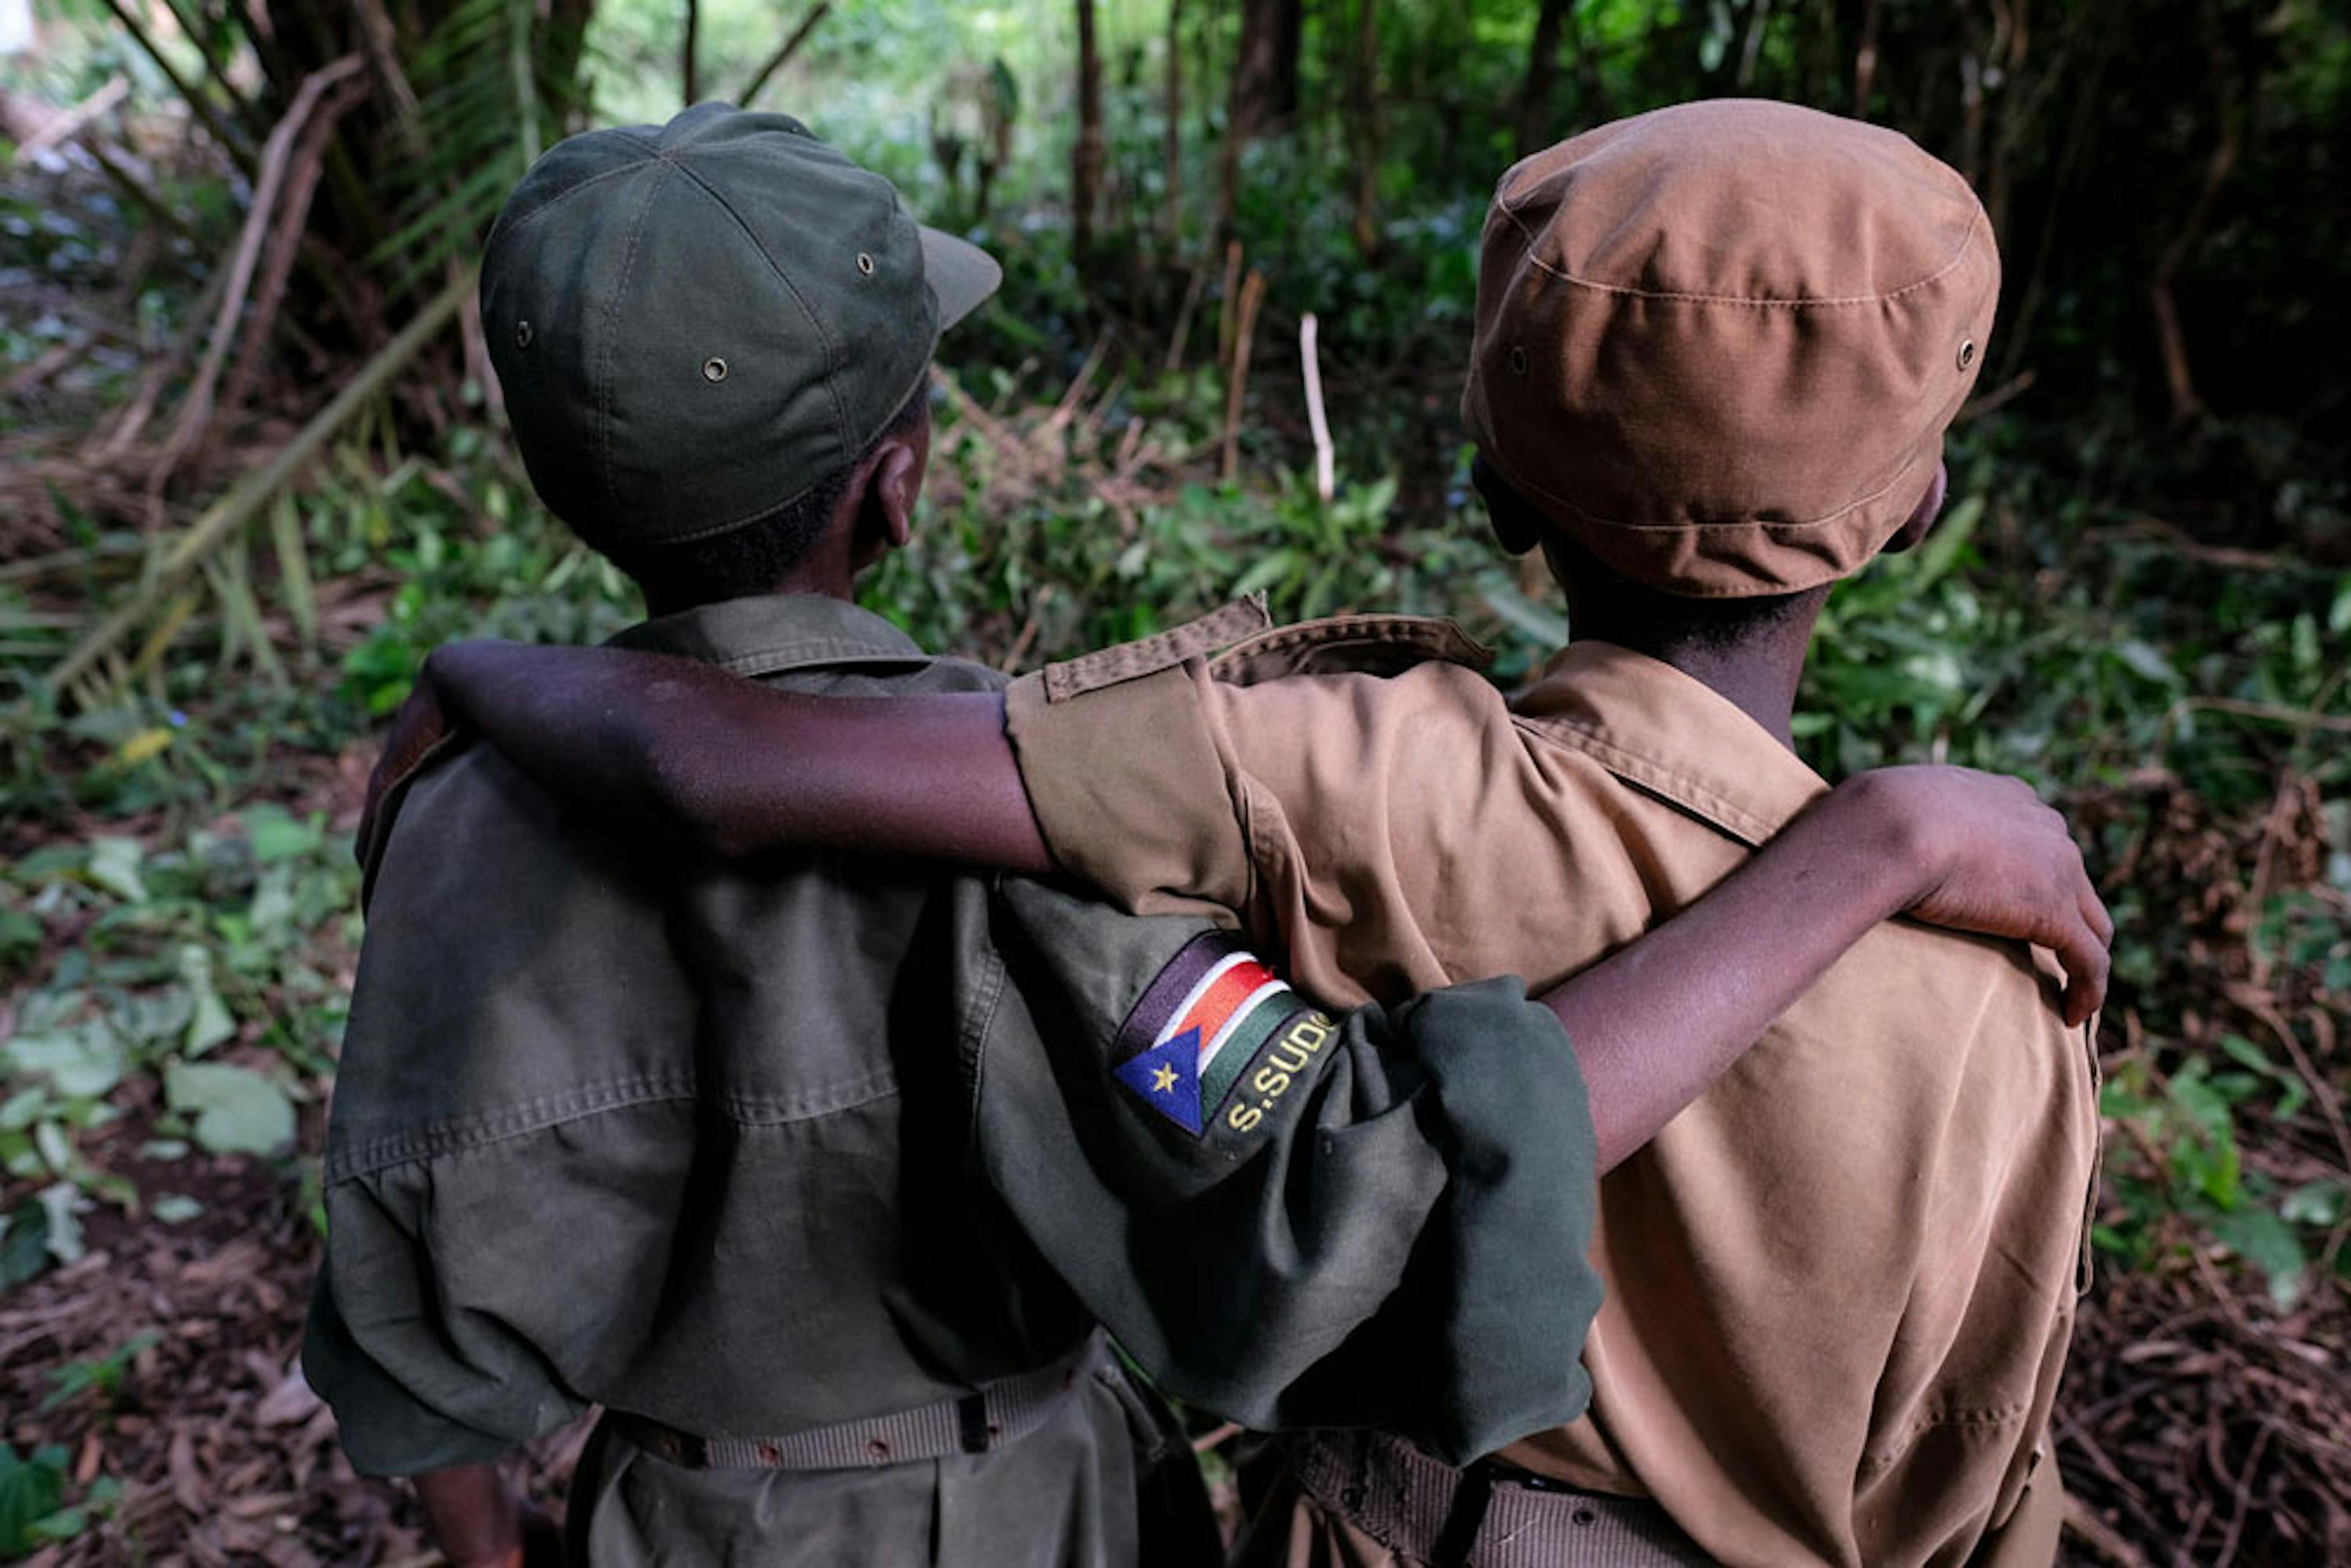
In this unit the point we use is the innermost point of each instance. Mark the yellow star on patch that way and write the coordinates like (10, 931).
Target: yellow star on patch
(1163, 1079)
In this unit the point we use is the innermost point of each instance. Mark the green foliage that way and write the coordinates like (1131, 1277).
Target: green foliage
(101, 1377)
(228, 939)
(2187, 1122)
(31, 1489)
(33, 1510)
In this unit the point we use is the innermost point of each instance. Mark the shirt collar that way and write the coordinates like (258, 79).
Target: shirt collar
(1672, 735)
(777, 631)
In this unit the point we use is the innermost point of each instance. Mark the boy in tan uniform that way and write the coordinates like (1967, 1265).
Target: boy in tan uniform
(1717, 350)
(1717, 346)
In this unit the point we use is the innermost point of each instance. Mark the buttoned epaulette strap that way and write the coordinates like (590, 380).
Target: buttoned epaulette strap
(1194, 639)
(1344, 644)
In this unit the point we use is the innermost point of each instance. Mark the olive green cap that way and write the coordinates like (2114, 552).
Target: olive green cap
(693, 323)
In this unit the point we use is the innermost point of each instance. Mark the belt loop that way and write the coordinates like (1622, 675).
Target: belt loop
(1464, 1517)
(971, 1423)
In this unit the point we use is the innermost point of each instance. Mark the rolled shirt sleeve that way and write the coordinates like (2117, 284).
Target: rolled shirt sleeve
(416, 1392)
(1274, 803)
(1377, 1218)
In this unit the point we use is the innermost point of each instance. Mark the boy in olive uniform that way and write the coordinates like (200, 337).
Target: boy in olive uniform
(1398, 826)
(820, 1175)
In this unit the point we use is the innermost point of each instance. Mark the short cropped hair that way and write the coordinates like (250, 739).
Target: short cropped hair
(1670, 621)
(751, 559)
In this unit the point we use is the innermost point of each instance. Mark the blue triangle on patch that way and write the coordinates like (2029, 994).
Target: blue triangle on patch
(1168, 1079)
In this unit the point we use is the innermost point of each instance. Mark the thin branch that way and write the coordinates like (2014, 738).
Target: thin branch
(1325, 474)
(63, 126)
(286, 239)
(1244, 334)
(777, 60)
(198, 104)
(245, 498)
(195, 412)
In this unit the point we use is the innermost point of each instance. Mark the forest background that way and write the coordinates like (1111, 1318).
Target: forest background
(252, 469)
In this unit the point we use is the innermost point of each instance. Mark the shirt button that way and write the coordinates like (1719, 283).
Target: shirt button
(1584, 1515)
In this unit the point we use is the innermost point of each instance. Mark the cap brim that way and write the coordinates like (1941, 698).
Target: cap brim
(962, 275)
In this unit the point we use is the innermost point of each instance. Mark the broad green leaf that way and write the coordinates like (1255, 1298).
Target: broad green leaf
(2316, 1203)
(57, 1150)
(114, 865)
(2142, 660)
(83, 1062)
(30, 1491)
(24, 1244)
(175, 1208)
(149, 1017)
(1942, 549)
(236, 1109)
(209, 1022)
(1539, 623)
(275, 835)
(62, 1205)
(20, 932)
(2269, 1244)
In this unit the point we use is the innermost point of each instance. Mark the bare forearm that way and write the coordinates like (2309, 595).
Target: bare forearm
(1660, 1020)
(743, 768)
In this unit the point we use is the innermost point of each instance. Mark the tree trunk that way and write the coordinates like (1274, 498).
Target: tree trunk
(1265, 72)
(1535, 94)
(688, 77)
(1171, 216)
(1364, 77)
(1086, 153)
(1264, 89)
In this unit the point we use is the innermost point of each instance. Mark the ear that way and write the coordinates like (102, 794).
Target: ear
(891, 492)
(1517, 528)
(1922, 518)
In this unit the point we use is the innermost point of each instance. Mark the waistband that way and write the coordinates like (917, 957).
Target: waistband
(1488, 1516)
(998, 1413)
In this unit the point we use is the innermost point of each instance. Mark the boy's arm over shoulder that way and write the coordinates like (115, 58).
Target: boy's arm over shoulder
(1268, 777)
(1294, 1217)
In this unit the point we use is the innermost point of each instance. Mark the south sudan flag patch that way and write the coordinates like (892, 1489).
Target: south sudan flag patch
(1200, 1023)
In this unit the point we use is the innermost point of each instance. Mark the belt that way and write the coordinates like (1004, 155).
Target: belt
(998, 1413)
(1490, 1515)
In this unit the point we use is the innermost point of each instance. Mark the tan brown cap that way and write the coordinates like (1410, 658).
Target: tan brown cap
(1717, 345)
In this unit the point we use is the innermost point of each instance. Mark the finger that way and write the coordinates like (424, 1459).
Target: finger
(2088, 966)
(2094, 911)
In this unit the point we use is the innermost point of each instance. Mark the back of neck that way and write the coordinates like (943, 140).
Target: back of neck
(1757, 672)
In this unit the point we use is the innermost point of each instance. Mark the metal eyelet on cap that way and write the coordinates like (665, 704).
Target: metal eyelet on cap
(864, 264)
(1967, 353)
(1518, 359)
(714, 370)
(522, 334)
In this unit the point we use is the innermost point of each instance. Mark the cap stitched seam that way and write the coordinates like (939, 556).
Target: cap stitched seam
(831, 353)
(604, 366)
(1960, 256)
(509, 221)
(1838, 516)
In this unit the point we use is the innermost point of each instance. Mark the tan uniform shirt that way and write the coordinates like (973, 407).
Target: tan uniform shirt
(1841, 1283)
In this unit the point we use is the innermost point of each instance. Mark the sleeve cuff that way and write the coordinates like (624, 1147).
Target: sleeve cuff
(1130, 790)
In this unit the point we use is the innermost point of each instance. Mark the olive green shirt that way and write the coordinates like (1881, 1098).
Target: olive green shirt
(748, 1149)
